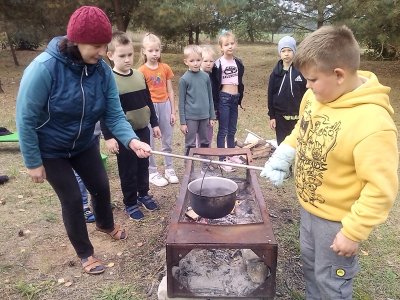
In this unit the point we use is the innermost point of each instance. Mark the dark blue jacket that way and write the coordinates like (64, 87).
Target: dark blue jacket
(59, 103)
(285, 91)
(216, 76)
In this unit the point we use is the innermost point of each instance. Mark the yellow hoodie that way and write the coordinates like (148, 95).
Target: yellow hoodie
(347, 157)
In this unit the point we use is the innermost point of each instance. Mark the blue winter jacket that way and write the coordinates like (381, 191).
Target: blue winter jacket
(59, 103)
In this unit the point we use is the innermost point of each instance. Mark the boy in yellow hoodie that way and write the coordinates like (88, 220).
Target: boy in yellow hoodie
(344, 185)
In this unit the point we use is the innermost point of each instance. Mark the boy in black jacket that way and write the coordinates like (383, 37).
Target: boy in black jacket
(139, 111)
(285, 90)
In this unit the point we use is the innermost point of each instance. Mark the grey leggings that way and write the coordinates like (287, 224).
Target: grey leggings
(163, 111)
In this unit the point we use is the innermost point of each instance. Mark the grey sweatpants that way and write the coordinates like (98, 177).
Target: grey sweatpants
(163, 111)
(197, 129)
(328, 276)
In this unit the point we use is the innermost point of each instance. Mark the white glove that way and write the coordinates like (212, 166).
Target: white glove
(277, 168)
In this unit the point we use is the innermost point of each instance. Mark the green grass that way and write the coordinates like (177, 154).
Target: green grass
(117, 292)
(32, 291)
(51, 217)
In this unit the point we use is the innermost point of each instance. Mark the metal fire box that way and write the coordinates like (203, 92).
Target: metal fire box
(184, 237)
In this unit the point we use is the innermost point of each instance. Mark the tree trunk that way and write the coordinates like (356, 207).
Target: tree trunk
(118, 16)
(14, 55)
(320, 17)
(190, 33)
(250, 33)
(197, 35)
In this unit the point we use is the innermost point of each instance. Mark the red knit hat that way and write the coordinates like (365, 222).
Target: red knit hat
(89, 25)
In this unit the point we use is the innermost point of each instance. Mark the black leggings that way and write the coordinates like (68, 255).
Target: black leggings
(89, 166)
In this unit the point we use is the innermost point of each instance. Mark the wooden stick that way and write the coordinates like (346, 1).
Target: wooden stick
(257, 136)
(208, 160)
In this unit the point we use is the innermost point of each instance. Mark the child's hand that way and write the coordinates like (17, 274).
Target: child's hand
(272, 124)
(184, 129)
(112, 146)
(156, 132)
(212, 123)
(344, 246)
(173, 119)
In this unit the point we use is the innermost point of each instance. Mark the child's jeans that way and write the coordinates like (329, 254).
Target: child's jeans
(327, 275)
(228, 117)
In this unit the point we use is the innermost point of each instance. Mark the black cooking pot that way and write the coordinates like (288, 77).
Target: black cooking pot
(212, 197)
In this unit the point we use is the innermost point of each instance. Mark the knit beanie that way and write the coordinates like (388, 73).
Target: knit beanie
(89, 25)
(287, 42)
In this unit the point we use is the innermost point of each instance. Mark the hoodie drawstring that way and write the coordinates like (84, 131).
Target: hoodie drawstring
(290, 80)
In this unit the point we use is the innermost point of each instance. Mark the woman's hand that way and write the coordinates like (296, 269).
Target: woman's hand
(212, 123)
(141, 149)
(38, 175)
(112, 146)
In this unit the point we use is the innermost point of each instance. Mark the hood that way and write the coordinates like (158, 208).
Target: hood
(278, 70)
(370, 92)
(53, 49)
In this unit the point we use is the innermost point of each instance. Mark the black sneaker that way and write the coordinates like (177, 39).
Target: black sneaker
(134, 212)
(148, 203)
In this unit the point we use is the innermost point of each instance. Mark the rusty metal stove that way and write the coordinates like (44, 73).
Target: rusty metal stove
(184, 237)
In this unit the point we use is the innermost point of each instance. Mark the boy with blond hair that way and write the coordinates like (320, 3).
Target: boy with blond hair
(196, 106)
(139, 111)
(343, 184)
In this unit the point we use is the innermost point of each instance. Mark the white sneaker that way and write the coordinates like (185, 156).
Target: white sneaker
(157, 179)
(227, 169)
(236, 159)
(171, 176)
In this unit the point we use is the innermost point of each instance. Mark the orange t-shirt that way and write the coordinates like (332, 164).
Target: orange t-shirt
(157, 81)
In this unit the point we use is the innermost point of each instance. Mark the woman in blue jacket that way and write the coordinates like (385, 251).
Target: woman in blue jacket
(63, 93)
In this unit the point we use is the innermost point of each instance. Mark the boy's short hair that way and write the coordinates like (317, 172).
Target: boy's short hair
(192, 49)
(328, 48)
(119, 38)
(225, 34)
(207, 49)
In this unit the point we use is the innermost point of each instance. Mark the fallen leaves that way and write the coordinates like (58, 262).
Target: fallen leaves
(63, 281)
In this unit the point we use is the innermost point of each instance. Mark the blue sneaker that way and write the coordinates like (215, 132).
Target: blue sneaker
(134, 212)
(148, 203)
(89, 216)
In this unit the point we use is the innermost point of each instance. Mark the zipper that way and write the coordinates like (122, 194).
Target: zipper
(84, 72)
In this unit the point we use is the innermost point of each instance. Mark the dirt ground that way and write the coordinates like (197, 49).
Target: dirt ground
(36, 258)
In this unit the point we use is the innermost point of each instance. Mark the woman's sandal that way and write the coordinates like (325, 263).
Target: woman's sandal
(118, 233)
(92, 265)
